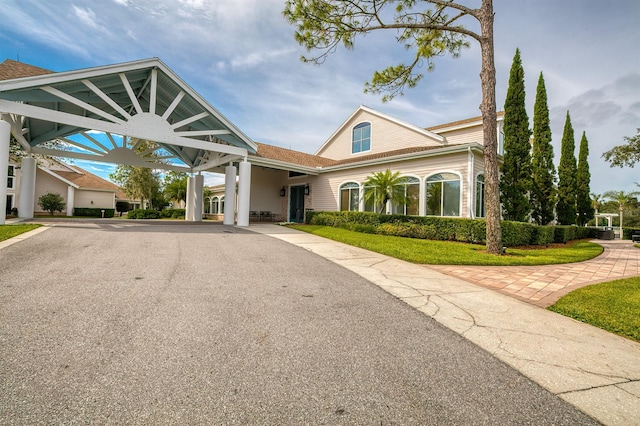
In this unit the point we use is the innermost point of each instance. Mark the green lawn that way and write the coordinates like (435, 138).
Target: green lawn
(613, 306)
(10, 231)
(452, 253)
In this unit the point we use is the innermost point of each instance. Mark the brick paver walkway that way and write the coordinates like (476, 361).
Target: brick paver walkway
(544, 285)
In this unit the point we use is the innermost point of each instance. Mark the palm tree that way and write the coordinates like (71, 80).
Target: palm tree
(381, 187)
(596, 201)
(622, 198)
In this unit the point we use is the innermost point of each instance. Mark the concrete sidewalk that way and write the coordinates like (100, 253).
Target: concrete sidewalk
(594, 370)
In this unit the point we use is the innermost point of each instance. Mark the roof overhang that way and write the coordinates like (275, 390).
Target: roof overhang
(129, 102)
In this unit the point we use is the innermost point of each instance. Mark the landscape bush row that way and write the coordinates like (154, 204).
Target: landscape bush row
(93, 212)
(448, 229)
(156, 214)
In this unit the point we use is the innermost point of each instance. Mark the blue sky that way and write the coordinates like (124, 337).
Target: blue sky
(241, 56)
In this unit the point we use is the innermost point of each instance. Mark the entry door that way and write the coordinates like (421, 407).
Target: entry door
(9, 202)
(296, 204)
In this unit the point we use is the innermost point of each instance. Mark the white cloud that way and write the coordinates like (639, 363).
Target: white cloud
(86, 16)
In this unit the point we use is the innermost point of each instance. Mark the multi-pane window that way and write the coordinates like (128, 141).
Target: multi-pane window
(480, 196)
(361, 139)
(11, 177)
(443, 195)
(349, 196)
(369, 203)
(411, 190)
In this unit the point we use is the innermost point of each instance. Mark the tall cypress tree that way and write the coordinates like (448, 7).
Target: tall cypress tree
(515, 181)
(567, 170)
(584, 206)
(543, 191)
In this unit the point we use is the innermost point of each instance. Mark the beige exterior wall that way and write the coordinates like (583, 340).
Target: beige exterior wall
(462, 136)
(326, 186)
(94, 199)
(46, 183)
(386, 136)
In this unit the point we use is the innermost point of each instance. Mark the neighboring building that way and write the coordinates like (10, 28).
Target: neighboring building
(444, 166)
(78, 187)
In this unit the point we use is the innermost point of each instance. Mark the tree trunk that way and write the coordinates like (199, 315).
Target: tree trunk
(490, 131)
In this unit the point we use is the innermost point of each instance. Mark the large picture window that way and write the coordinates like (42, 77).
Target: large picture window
(443, 195)
(11, 177)
(361, 139)
(411, 190)
(349, 196)
(480, 196)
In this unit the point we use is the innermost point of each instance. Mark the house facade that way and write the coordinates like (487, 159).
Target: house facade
(443, 167)
(78, 187)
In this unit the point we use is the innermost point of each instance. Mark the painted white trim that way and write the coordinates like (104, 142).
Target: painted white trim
(60, 178)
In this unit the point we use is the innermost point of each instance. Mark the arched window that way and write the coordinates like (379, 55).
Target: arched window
(361, 139)
(207, 205)
(349, 196)
(443, 195)
(411, 190)
(480, 196)
(221, 206)
(216, 205)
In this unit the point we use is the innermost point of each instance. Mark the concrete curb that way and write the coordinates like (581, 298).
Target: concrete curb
(21, 237)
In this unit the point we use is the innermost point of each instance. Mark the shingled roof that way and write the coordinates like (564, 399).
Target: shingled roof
(86, 180)
(290, 156)
(10, 69)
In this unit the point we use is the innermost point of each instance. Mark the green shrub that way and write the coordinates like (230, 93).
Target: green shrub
(143, 214)
(173, 213)
(448, 229)
(542, 235)
(628, 232)
(92, 212)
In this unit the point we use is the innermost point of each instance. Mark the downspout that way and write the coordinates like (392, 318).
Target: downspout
(470, 164)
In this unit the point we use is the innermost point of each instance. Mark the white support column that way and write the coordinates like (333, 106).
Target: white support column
(188, 206)
(71, 199)
(244, 193)
(198, 187)
(26, 203)
(229, 195)
(5, 136)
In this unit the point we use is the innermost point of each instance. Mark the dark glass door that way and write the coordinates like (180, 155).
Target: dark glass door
(296, 204)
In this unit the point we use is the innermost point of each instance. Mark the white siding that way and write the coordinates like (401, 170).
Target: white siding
(386, 136)
(463, 136)
(326, 198)
(46, 183)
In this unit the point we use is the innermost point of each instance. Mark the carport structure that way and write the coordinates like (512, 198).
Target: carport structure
(129, 103)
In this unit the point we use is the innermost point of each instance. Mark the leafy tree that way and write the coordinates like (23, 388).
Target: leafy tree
(175, 186)
(430, 28)
(584, 205)
(625, 155)
(139, 182)
(51, 203)
(543, 191)
(122, 207)
(382, 187)
(515, 181)
(567, 169)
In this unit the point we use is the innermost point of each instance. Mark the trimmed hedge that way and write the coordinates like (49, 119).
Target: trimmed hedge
(448, 229)
(93, 212)
(155, 214)
(143, 214)
(627, 232)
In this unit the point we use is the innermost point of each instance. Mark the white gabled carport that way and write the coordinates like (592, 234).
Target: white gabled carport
(129, 102)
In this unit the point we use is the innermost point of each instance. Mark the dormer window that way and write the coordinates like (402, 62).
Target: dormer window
(361, 140)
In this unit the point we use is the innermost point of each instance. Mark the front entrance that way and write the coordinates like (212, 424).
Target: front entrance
(9, 203)
(296, 204)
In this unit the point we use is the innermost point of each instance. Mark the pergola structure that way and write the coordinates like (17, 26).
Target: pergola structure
(131, 103)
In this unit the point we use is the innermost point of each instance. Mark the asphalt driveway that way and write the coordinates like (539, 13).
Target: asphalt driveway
(122, 322)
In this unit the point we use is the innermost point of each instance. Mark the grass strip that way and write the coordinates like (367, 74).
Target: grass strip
(612, 306)
(10, 231)
(430, 252)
